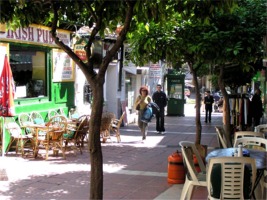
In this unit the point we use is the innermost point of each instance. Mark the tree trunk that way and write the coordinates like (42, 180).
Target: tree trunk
(226, 107)
(96, 80)
(198, 104)
(96, 190)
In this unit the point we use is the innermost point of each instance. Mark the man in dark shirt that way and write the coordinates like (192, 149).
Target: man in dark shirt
(160, 98)
(208, 101)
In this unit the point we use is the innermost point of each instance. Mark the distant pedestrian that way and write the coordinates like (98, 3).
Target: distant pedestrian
(208, 101)
(257, 110)
(141, 103)
(160, 98)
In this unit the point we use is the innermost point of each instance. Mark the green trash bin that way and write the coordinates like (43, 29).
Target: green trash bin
(175, 107)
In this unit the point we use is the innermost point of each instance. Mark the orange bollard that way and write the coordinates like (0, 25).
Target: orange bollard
(176, 171)
(196, 163)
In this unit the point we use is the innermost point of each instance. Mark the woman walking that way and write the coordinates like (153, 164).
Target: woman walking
(141, 103)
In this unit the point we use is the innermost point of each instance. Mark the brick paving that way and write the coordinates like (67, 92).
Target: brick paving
(132, 169)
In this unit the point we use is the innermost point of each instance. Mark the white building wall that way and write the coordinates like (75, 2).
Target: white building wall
(112, 93)
(80, 79)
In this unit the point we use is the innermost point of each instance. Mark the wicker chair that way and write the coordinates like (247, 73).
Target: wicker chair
(52, 113)
(115, 126)
(76, 135)
(107, 118)
(53, 139)
(18, 136)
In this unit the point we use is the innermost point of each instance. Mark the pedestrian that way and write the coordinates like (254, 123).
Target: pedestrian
(160, 98)
(141, 103)
(208, 101)
(257, 110)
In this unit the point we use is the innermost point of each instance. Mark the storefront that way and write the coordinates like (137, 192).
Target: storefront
(43, 74)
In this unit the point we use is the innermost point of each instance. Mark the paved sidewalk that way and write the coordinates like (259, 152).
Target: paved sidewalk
(132, 169)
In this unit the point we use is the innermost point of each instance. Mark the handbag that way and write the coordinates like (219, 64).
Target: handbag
(147, 115)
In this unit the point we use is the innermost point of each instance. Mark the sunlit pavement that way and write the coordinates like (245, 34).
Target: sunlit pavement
(132, 169)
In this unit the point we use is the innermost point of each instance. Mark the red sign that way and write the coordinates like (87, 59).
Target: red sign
(80, 52)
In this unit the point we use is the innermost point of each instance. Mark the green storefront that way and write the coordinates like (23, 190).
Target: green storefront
(43, 74)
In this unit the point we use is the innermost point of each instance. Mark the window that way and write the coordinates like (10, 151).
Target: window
(87, 93)
(29, 72)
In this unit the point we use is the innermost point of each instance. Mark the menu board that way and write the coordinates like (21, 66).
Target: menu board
(63, 66)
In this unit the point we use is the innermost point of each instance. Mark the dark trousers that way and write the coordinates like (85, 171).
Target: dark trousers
(160, 120)
(208, 114)
(256, 121)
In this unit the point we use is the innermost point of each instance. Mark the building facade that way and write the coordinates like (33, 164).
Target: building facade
(43, 74)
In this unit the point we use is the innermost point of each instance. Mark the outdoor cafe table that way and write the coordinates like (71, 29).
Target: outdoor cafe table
(259, 156)
(37, 128)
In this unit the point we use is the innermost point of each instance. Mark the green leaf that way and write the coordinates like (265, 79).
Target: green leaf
(147, 28)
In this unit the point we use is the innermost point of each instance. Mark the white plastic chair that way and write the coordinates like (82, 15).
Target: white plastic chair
(261, 128)
(257, 143)
(232, 172)
(193, 177)
(240, 134)
(220, 136)
(252, 143)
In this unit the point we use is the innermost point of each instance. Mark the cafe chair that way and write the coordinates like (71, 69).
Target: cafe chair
(18, 136)
(194, 176)
(231, 177)
(105, 127)
(75, 136)
(37, 118)
(264, 185)
(261, 128)
(252, 143)
(73, 114)
(257, 143)
(52, 113)
(115, 126)
(221, 137)
(240, 134)
(25, 120)
(86, 136)
(60, 111)
(53, 139)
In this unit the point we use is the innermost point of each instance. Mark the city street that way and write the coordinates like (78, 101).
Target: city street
(132, 169)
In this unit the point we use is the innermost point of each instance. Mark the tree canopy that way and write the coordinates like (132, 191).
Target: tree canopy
(215, 40)
(183, 31)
